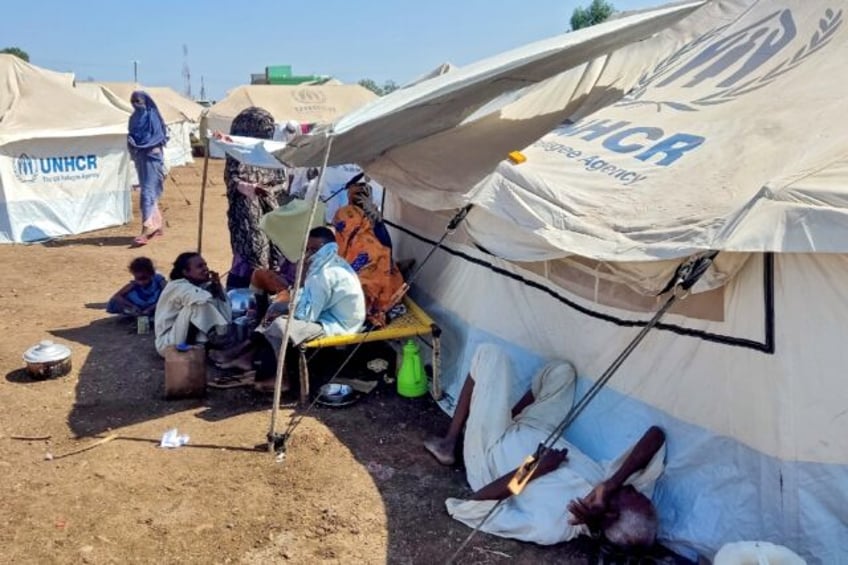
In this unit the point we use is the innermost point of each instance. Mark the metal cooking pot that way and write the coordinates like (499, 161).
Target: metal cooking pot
(47, 360)
(242, 327)
(241, 300)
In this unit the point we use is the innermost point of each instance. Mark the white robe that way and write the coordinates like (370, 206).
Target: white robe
(183, 304)
(496, 444)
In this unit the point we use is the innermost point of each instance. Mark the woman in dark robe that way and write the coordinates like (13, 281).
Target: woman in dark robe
(252, 192)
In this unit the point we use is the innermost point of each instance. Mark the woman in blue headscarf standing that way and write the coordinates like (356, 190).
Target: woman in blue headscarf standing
(146, 141)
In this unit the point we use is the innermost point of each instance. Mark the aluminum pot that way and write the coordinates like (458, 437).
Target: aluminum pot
(241, 300)
(47, 360)
(242, 328)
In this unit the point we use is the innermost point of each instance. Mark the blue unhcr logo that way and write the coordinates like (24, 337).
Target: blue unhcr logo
(718, 67)
(55, 169)
(26, 168)
(735, 64)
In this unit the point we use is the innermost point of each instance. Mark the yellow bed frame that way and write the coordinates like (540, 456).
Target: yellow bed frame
(416, 322)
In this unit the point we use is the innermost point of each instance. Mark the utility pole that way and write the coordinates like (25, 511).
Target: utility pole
(135, 71)
(186, 72)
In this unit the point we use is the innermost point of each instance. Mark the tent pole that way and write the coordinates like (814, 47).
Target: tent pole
(295, 295)
(202, 195)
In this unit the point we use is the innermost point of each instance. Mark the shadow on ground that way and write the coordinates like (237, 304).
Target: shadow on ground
(384, 432)
(120, 384)
(109, 241)
(121, 381)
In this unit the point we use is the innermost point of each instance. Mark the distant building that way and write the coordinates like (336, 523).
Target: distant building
(282, 74)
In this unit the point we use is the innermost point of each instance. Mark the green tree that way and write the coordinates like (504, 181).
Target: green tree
(390, 86)
(597, 12)
(371, 85)
(17, 52)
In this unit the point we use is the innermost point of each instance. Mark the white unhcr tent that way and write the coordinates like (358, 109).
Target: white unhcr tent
(302, 103)
(64, 168)
(728, 139)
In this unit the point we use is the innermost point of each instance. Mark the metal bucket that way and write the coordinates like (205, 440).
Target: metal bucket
(242, 328)
(241, 301)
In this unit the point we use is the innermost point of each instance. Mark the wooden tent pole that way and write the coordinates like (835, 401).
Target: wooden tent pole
(203, 195)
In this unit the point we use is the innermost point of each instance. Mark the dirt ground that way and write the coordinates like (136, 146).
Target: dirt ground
(355, 487)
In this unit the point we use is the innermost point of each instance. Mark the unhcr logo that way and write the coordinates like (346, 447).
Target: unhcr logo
(26, 168)
(735, 64)
(55, 169)
(309, 96)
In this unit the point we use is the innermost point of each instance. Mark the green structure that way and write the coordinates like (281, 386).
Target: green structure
(282, 74)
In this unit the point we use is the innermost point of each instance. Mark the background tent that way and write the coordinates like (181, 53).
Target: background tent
(303, 103)
(727, 139)
(189, 108)
(442, 69)
(181, 115)
(63, 161)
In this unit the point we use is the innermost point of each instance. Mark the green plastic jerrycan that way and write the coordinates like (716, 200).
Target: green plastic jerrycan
(411, 379)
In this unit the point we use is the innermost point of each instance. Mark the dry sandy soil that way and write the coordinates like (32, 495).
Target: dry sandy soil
(355, 487)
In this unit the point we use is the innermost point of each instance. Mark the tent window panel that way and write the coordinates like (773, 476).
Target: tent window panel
(589, 280)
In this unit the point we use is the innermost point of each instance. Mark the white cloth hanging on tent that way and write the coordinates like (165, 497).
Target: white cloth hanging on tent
(249, 150)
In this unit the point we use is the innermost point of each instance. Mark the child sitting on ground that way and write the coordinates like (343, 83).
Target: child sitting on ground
(139, 296)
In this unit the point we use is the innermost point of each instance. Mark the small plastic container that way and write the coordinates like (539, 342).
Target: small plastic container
(185, 371)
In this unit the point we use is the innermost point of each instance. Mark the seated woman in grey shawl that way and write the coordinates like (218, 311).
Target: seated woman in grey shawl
(193, 307)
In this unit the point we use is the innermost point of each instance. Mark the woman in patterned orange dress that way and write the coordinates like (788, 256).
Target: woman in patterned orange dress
(369, 254)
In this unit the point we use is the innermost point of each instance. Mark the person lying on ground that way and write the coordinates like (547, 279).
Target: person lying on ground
(368, 252)
(139, 296)
(193, 308)
(569, 494)
(330, 303)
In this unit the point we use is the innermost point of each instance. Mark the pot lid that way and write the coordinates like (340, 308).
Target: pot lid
(46, 352)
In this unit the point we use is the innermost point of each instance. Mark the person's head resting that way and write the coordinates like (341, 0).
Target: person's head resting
(633, 522)
(318, 238)
(142, 270)
(253, 122)
(190, 266)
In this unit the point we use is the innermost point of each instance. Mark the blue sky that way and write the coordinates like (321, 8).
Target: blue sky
(349, 39)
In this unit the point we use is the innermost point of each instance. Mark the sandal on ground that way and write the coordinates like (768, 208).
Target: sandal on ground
(233, 381)
(232, 364)
(267, 386)
(140, 241)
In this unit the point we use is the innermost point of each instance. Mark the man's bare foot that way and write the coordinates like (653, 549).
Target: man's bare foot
(217, 356)
(226, 355)
(243, 363)
(442, 449)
